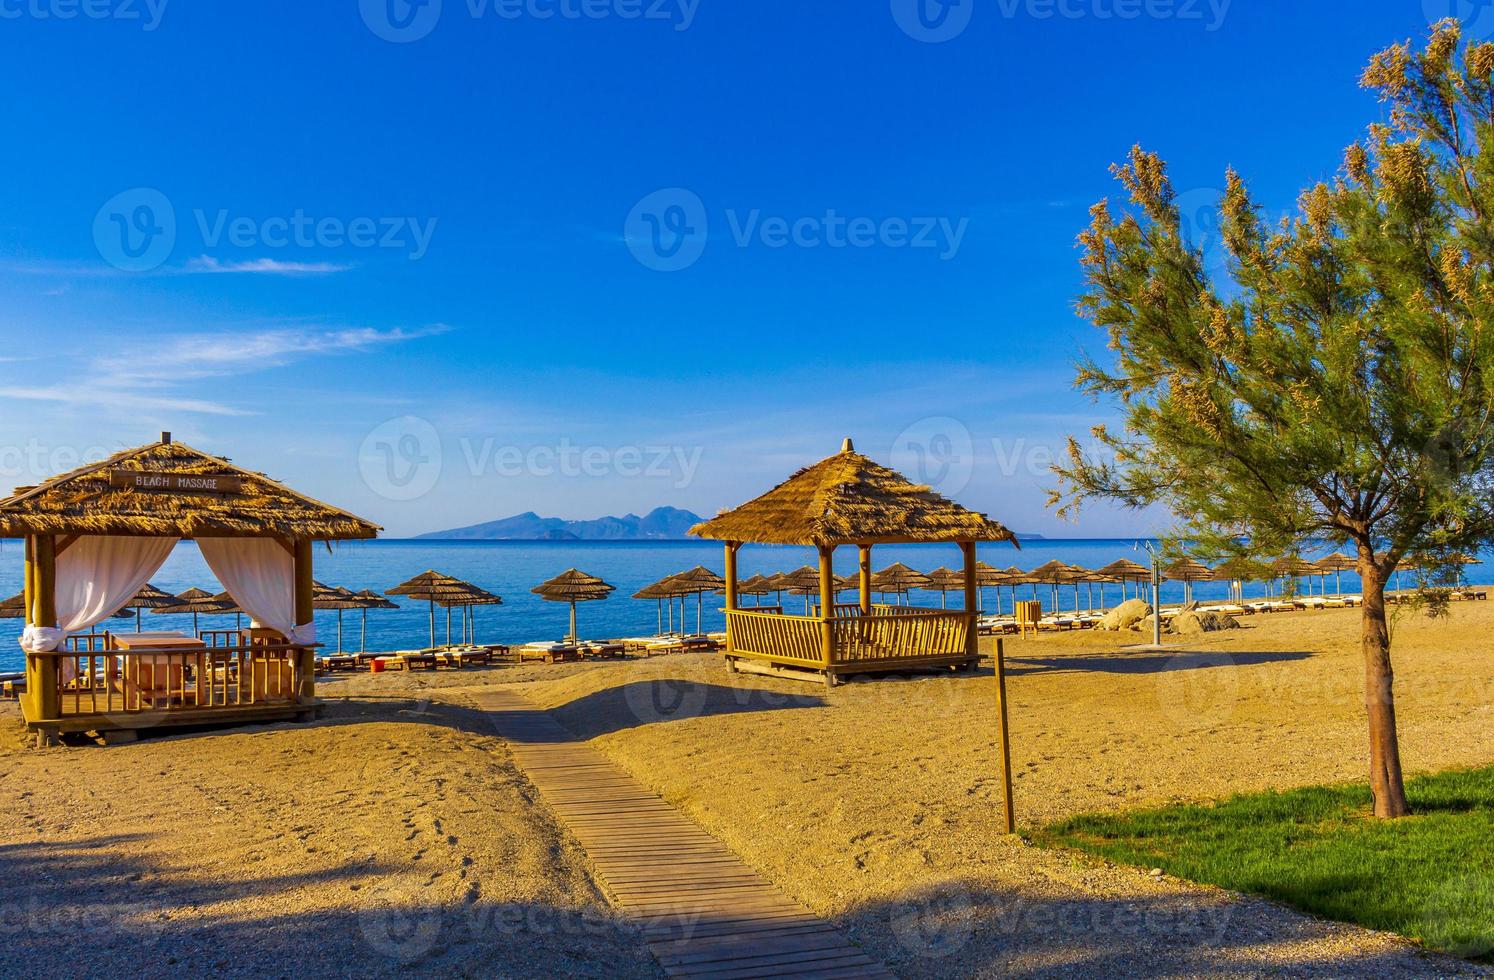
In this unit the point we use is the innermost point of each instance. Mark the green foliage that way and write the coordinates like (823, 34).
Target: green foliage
(1340, 382)
(1430, 877)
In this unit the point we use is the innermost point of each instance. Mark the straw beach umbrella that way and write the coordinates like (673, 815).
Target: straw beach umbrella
(1337, 563)
(697, 582)
(1125, 570)
(468, 602)
(755, 585)
(989, 576)
(1052, 574)
(573, 586)
(898, 579)
(197, 601)
(803, 581)
(944, 581)
(431, 586)
(1236, 572)
(369, 599)
(1293, 568)
(149, 597)
(327, 597)
(1188, 571)
(660, 591)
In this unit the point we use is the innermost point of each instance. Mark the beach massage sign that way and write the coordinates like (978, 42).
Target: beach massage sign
(173, 482)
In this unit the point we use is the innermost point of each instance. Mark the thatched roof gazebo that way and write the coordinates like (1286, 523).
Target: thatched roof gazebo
(95, 536)
(850, 500)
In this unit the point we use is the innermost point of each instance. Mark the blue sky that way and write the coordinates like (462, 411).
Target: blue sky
(448, 263)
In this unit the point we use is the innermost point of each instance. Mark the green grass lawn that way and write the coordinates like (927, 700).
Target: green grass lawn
(1429, 876)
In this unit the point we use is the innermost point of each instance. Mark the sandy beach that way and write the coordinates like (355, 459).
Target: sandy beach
(396, 831)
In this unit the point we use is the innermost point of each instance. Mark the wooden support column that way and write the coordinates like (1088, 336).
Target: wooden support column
(863, 555)
(1006, 746)
(972, 639)
(306, 659)
(42, 678)
(827, 611)
(731, 587)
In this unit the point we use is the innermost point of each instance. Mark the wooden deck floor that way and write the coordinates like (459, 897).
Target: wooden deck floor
(704, 913)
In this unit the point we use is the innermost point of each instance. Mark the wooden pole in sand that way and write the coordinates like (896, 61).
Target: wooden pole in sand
(827, 612)
(305, 613)
(863, 554)
(1006, 745)
(972, 618)
(731, 587)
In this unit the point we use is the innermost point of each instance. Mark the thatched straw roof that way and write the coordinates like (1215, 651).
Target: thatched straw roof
(989, 575)
(14, 607)
(1188, 570)
(755, 585)
(804, 580)
(150, 597)
(573, 586)
(477, 597)
(369, 599)
(849, 499)
(698, 579)
(1293, 567)
(898, 577)
(200, 601)
(662, 589)
(1054, 572)
(97, 499)
(333, 597)
(1240, 570)
(945, 580)
(430, 586)
(1336, 562)
(1127, 569)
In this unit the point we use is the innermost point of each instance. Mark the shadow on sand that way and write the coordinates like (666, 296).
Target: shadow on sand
(1148, 662)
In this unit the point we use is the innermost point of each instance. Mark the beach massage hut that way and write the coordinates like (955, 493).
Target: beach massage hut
(850, 500)
(96, 535)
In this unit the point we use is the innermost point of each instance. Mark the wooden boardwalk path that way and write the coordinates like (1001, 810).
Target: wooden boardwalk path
(704, 913)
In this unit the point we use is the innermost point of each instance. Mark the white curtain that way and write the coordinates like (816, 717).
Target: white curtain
(96, 575)
(261, 576)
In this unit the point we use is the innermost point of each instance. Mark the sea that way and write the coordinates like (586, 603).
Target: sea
(512, 568)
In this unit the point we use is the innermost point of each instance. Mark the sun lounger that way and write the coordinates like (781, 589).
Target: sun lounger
(549, 652)
(603, 651)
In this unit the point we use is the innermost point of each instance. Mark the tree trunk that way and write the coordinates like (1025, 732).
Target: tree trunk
(1379, 697)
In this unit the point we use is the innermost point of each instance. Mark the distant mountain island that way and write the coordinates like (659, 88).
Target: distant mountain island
(659, 524)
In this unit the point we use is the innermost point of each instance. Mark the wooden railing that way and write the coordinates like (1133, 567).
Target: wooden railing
(901, 636)
(92, 679)
(907, 635)
(797, 639)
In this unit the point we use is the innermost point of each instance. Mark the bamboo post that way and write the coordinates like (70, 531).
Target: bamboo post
(827, 612)
(731, 587)
(1006, 747)
(305, 613)
(972, 637)
(863, 553)
(41, 599)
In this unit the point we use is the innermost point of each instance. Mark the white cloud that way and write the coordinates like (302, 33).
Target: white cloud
(151, 379)
(207, 265)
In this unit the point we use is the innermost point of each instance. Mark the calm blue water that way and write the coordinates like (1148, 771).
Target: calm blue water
(511, 568)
